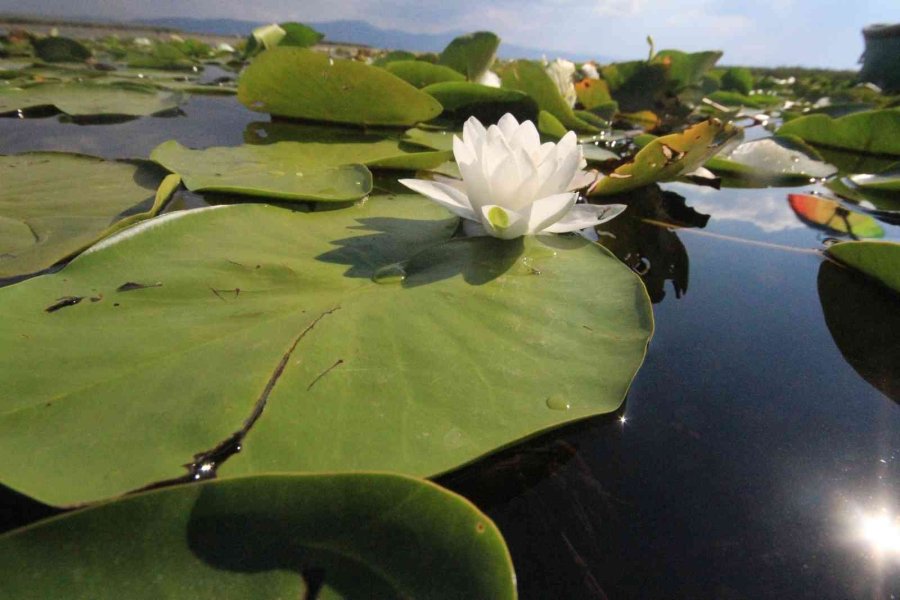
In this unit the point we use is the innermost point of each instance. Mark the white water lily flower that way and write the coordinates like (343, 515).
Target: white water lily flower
(513, 185)
(562, 72)
(490, 79)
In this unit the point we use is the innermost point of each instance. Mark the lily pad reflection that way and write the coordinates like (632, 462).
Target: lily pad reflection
(864, 322)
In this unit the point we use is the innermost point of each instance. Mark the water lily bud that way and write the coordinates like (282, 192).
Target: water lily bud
(514, 185)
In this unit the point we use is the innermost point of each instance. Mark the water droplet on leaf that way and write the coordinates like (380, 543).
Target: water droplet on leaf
(392, 273)
(558, 402)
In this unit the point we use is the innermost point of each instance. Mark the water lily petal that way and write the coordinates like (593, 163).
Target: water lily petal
(527, 138)
(505, 181)
(566, 167)
(477, 185)
(462, 152)
(473, 133)
(549, 210)
(508, 125)
(502, 223)
(447, 196)
(581, 216)
(582, 179)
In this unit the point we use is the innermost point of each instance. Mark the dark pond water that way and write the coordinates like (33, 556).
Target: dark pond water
(758, 454)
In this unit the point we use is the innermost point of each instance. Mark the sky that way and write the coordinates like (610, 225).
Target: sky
(816, 33)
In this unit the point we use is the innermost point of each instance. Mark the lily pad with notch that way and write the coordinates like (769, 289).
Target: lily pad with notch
(321, 341)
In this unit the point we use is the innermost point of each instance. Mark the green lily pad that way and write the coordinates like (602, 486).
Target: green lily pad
(53, 205)
(471, 54)
(464, 99)
(877, 260)
(162, 55)
(529, 77)
(872, 131)
(436, 139)
(421, 74)
(348, 333)
(592, 93)
(60, 49)
(871, 199)
(335, 146)
(770, 161)
(357, 535)
(295, 82)
(885, 181)
(284, 170)
(88, 98)
(665, 158)
(550, 126)
(684, 69)
(738, 99)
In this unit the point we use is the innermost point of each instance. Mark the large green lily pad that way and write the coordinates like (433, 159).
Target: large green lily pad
(872, 131)
(284, 170)
(667, 157)
(877, 260)
(209, 315)
(336, 146)
(529, 77)
(300, 83)
(86, 98)
(273, 537)
(53, 205)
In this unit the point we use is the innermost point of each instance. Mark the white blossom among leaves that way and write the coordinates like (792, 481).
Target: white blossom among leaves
(513, 185)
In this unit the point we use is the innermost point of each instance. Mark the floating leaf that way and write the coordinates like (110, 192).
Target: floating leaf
(878, 260)
(592, 93)
(771, 161)
(89, 99)
(284, 170)
(437, 139)
(53, 205)
(550, 126)
(684, 69)
(356, 535)
(335, 146)
(831, 217)
(873, 131)
(529, 77)
(300, 35)
(421, 74)
(350, 330)
(294, 82)
(471, 54)
(886, 181)
(161, 55)
(737, 79)
(60, 49)
(870, 199)
(667, 157)
(463, 99)
(738, 99)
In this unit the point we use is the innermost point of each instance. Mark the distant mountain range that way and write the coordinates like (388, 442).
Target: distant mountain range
(360, 32)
